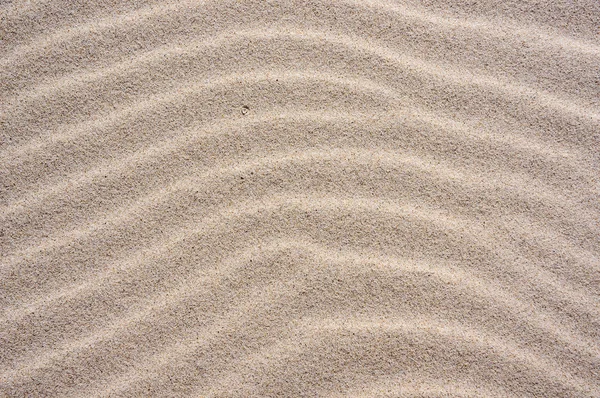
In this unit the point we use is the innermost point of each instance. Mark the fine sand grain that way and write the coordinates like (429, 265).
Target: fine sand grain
(316, 198)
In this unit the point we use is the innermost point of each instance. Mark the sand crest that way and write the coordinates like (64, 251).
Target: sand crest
(299, 198)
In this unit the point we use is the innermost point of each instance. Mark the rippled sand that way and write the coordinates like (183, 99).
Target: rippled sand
(299, 198)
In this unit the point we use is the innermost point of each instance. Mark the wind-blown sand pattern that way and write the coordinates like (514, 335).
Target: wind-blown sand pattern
(299, 198)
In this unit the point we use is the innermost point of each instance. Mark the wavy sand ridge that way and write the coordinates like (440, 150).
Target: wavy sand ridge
(299, 198)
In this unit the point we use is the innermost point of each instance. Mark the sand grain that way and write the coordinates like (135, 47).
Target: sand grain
(299, 198)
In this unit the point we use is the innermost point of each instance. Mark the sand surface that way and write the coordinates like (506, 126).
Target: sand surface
(299, 198)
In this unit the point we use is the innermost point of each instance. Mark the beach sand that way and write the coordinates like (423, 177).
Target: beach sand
(299, 198)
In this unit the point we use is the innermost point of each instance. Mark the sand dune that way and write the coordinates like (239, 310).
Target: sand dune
(299, 199)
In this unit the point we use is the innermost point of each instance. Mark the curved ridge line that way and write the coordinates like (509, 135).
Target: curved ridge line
(40, 195)
(419, 324)
(183, 346)
(507, 28)
(140, 16)
(121, 217)
(451, 329)
(179, 140)
(416, 112)
(94, 26)
(409, 63)
(173, 143)
(457, 276)
(447, 172)
(188, 89)
(168, 299)
(258, 207)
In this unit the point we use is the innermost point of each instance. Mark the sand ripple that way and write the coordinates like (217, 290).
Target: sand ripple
(299, 198)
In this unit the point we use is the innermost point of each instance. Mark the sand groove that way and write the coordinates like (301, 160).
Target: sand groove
(299, 198)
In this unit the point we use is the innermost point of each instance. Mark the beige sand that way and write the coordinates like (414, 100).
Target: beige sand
(299, 198)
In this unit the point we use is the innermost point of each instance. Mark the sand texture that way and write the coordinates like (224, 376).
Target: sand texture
(311, 198)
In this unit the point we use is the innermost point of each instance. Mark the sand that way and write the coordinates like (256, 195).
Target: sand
(299, 198)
